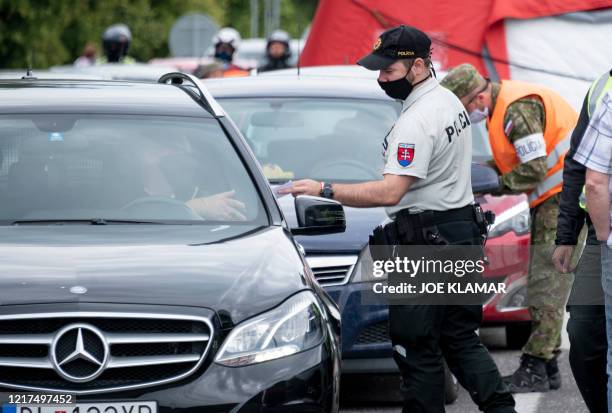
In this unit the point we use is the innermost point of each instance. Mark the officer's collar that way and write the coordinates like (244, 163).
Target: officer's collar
(422, 89)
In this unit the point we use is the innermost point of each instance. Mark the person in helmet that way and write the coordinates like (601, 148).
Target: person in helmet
(278, 52)
(226, 42)
(116, 43)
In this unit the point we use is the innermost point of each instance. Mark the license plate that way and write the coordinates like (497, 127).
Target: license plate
(116, 407)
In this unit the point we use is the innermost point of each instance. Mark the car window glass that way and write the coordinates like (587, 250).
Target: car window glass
(481, 148)
(324, 139)
(122, 167)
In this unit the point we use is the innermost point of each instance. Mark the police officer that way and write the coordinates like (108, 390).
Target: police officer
(587, 323)
(529, 132)
(278, 52)
(116, 42)
(426, 182)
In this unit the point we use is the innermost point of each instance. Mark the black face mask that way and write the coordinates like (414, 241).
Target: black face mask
(400, 88)
(397, 89)
(224, 56)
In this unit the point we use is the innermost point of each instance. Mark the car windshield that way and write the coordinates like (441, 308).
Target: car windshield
(336, 140)
(122, 169)
(324, 139)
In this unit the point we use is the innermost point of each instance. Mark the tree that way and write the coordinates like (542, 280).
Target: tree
(43, 33)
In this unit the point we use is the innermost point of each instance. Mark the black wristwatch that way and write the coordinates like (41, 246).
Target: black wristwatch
(326, 190)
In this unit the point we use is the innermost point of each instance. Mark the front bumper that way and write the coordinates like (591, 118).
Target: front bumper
(304, 382)
(300, 383)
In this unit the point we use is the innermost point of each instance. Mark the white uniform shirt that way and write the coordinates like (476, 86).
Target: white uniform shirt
(432, 141)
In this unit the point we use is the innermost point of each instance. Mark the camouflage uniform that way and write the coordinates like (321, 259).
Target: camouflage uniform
(547, 289)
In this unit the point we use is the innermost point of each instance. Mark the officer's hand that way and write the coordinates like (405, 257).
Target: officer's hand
(562, 258)
(303, 187)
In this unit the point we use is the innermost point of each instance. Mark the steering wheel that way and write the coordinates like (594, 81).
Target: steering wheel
(323, 167)
(163, 204)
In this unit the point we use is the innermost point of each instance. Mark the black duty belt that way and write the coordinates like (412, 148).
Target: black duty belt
(431, 218)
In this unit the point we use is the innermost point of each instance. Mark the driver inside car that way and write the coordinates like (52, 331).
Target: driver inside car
(169, 172)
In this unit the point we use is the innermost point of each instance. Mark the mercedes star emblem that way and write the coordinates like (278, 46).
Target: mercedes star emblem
(79, 353)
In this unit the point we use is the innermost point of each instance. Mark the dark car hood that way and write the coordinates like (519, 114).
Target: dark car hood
(159, 265)
(359, 225)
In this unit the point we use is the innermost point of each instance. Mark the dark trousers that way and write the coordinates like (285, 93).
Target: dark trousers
(423, 334)
(586, 329)
(588, 351)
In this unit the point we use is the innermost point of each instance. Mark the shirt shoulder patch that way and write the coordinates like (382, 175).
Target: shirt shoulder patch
(405, 154)
(526, 116)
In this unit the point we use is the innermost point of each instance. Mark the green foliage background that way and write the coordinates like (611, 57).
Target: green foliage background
(42, 33)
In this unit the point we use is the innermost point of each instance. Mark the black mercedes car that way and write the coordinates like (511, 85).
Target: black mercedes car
(145, 264)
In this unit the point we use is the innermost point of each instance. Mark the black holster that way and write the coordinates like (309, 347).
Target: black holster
(483, 219)
(419, 229)
(383, 241)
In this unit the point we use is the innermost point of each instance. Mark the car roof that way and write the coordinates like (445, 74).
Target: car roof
(296, 86)
(45, 74)
(327, 71)
(97, 97)
(117, 71)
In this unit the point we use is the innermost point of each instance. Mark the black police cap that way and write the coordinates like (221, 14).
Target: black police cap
(402, 42)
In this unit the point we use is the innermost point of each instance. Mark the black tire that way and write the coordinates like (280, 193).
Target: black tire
(451, 386)
(517, 335)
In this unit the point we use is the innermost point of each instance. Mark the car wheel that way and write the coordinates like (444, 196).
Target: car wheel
(517, 335)
(451, 386)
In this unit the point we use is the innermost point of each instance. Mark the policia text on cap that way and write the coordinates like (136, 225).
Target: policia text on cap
(426, 185)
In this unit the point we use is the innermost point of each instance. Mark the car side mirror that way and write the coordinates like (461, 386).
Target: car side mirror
(318, 216)
(484, 179)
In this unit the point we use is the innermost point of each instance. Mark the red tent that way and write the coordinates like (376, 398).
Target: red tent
(462, 31)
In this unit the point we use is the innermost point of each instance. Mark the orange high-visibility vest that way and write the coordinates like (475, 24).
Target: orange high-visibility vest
(235, 71)
(561, 119)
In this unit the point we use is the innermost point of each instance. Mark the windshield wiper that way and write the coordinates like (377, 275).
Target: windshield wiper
(91, 221)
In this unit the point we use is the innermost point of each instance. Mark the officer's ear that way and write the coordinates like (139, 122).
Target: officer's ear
(421, 66)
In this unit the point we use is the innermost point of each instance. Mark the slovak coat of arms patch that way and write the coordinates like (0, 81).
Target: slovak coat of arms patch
(405, 154)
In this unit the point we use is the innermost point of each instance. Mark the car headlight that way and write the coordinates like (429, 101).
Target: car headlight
(515, 219)
(294, 326)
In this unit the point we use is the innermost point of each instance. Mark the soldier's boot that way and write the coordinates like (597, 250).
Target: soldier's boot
(554, 375)
(531, 376)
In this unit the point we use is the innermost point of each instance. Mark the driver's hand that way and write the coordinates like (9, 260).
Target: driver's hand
(562, 258)
(303, 187)
(220, 207)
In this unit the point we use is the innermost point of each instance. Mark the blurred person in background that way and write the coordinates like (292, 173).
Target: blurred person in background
(88, 58)
(226, 42)
(209, 70)
(116, 42)
(278, 52)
